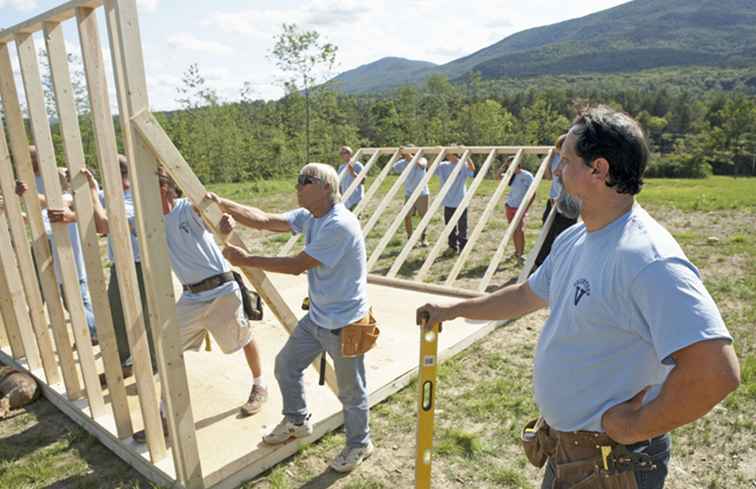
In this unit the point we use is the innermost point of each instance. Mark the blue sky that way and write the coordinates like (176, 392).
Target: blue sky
(230, 39)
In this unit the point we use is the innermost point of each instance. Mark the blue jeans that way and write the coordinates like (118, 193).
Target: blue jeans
(302, 348)
(658, 449)
(86, 300)
(88, 312)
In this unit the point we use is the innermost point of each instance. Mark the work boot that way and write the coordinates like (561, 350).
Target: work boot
(286, 430)
(350, 458)
(257, 398)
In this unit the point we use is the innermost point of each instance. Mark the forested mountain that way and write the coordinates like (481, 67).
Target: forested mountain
(638, 35)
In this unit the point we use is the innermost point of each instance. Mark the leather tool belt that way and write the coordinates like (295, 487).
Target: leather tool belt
(209, 283)
(583, 459)
(359, 337)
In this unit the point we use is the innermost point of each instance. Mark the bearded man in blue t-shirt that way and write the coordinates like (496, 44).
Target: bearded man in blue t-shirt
(634, 346)
(335, 261)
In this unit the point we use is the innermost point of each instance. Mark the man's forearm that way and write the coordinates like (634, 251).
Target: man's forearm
(510, 302)
(686, 395)
(275, 264)
(247, 216)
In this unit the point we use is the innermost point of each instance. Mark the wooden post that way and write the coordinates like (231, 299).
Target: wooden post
(375, 256)
(179, 169)
(525, 272)
(3, 334)
(494, 263)
(438, 245)
(74, 154)
(129, 68)
(19, 146)
(26, 266)
(361, 176)
(483, 220)
(376, 184)
(27, 56)
(12, 303)
(390, 195)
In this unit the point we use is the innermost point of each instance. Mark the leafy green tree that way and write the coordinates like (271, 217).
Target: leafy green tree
(302, 55)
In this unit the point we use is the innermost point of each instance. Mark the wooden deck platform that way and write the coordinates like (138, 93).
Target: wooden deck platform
(230, 446)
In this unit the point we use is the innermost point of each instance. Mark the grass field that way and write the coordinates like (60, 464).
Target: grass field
(485, 392)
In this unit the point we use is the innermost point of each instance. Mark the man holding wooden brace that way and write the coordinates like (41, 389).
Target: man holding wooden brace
(335, 261)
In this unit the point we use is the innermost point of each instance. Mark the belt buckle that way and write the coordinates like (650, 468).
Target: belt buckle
(606, 460)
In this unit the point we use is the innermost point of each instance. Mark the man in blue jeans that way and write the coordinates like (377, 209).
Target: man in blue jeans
(634, 346)
(335, 261)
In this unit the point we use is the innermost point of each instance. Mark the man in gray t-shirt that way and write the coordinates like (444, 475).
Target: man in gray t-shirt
(334, 258)
(634, 346)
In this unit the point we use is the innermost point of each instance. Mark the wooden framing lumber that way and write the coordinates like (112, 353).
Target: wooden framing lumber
(104, 434)
(499, 254)
(27, 57)
(483, 219)
(57, 14)
(361, 176)
(74, 155)
(12, 210)
(425, 221)
(412, 285)
(376, 215)
(376, 184)
(409, 204)
(160, 292)
(525, 272)
(19, 146)
(175, 164)
(3, 334)
(12, 303)
(441, 241)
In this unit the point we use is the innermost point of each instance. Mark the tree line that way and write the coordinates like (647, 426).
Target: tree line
(691, 134)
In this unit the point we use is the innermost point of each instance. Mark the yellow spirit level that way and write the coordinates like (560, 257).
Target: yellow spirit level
(426, 403)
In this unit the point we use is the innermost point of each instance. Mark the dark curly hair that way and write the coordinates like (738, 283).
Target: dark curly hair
(602, 132)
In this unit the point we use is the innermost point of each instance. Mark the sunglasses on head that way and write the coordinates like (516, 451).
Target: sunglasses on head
(306, 179)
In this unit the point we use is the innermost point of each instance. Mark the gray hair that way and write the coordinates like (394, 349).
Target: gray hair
(568, 205)
(326, 174)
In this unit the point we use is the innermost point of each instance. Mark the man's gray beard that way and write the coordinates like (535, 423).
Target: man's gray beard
(568, 205)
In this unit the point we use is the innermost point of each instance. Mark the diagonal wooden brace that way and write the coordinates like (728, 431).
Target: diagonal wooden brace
(163, 148)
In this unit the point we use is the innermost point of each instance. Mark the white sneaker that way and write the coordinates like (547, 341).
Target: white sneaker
(286, 430)
(350, 458)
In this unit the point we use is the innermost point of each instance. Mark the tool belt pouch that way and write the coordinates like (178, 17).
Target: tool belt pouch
(536, 442)
(251, 301)
(359, 337)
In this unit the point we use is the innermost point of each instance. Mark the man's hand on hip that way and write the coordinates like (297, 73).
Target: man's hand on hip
(621, 421)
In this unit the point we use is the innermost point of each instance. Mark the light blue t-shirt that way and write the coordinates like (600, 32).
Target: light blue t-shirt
(128, 199)
(346, 181)
(338, 286)
(622, 300)
(519, 188)
(73, 236)
(456, 193)
(416, 174)
(556, 182)
(194, 254)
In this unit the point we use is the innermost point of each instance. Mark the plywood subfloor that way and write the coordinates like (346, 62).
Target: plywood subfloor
(230, 446)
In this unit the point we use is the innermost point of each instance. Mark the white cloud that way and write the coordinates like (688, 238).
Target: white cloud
(22, 5)
(147, 5)
(184, 40)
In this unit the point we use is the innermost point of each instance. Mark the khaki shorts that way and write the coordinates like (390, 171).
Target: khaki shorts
(223, 318)
(420, 207)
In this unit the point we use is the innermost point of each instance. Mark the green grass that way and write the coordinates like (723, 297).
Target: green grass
(708, 194)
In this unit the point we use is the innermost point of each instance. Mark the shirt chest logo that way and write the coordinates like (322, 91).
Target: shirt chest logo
(582, 288)
(184, 226)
